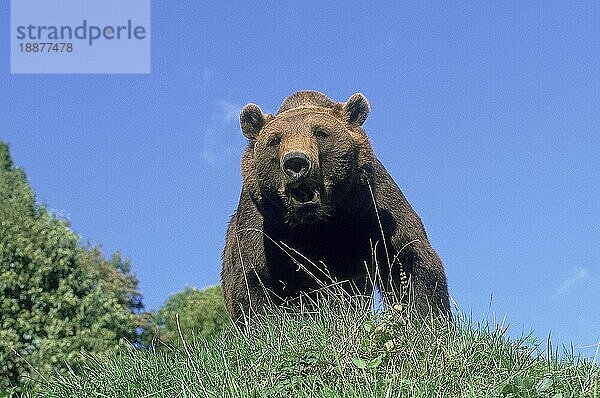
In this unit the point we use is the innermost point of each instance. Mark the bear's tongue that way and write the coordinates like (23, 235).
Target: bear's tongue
(303, 194)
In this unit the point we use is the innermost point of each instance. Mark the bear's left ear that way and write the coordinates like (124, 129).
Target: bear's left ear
(356, 110)
(251, 121)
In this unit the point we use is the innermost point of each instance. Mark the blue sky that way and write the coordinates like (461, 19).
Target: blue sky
(487, 116)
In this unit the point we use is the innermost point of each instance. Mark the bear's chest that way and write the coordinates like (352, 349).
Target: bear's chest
(328, 253)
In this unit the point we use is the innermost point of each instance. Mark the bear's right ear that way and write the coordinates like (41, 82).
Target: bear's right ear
(251, 120)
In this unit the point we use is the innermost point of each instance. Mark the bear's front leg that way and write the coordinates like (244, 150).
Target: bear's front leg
(416, 278)
(245, 276)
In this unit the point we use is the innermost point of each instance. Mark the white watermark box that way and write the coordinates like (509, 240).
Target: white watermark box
(80, 36)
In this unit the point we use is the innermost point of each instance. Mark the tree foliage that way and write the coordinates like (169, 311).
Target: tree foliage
(57, 298)
(201, 313)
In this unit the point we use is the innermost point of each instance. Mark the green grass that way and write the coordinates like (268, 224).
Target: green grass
(338, 350)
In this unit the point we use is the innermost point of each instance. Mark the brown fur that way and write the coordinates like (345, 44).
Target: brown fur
(337, 228)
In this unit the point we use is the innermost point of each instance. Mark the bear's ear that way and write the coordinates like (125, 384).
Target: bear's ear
(356, 110)
(251, 120)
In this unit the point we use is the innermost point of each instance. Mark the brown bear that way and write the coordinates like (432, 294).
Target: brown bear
(317, 207)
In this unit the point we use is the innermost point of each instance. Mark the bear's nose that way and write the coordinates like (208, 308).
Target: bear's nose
(295, 164)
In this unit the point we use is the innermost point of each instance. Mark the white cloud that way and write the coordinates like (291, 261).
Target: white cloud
(386, 44)
(207, 76)
(222, 139)
(228, 111)
(579, 274)
(209, 150)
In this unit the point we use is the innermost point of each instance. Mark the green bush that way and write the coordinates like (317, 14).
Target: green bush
(200, 312)
(57, 298)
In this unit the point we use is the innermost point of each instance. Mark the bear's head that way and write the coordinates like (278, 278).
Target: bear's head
(303, 161)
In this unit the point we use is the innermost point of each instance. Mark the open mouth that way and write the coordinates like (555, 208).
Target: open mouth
(304, 196)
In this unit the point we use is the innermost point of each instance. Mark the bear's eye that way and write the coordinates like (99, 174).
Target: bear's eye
(274, 141)
(321, 132)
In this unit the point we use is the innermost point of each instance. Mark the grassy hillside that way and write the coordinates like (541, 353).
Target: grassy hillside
(338, 350)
